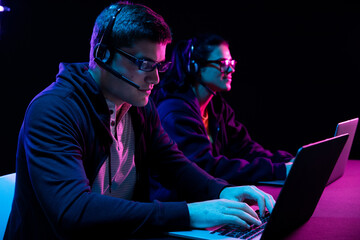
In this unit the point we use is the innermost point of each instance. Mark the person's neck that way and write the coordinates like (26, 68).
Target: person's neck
(203, 96)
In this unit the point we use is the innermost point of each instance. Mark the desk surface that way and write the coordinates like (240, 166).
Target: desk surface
(337, 215)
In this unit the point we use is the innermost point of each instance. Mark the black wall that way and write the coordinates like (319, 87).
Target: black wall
(296, 77)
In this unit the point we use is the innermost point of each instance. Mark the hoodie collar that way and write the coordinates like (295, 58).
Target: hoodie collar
(78, 76)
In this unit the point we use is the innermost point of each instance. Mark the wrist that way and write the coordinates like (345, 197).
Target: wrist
(221, 194)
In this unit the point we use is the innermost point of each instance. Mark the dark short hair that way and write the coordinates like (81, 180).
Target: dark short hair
(135, 22)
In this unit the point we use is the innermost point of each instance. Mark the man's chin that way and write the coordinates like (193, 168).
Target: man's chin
(142, 103)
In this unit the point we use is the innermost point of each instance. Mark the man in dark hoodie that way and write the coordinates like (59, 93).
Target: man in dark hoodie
(90, 139)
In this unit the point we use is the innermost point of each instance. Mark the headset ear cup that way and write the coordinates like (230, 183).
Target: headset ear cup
(102, 52)
(188, 67)
(195, 67)
(192, 67)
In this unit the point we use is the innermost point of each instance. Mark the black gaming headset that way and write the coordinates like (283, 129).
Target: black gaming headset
(103, 52)
(192, 67)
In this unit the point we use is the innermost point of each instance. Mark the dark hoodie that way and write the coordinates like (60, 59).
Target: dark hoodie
(64, 140)
(233, 155)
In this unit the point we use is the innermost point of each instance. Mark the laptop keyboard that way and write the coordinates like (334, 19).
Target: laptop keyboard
(235, 231)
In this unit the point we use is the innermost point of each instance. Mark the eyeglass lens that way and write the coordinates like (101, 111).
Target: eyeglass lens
(149, 66)
(226, 64)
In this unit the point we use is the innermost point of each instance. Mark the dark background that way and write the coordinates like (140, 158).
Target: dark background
(296, 77)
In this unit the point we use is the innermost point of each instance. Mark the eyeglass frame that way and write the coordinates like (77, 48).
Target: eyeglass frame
(140, 61)
(220, 62)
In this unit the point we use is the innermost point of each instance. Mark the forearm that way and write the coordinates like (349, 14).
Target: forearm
(128, 217)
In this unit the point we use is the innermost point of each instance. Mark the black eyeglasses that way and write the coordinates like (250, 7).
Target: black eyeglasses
(224, 64)
(145, 65)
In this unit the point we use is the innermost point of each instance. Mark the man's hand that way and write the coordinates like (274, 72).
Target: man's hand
(216, 212)
(231, 208)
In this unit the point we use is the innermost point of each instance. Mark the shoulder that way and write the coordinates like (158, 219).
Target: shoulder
(183, 103)
(53, 107)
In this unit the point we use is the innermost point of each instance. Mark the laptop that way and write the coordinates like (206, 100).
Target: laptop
(349, 127)
(298, 198)
(342, 128)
